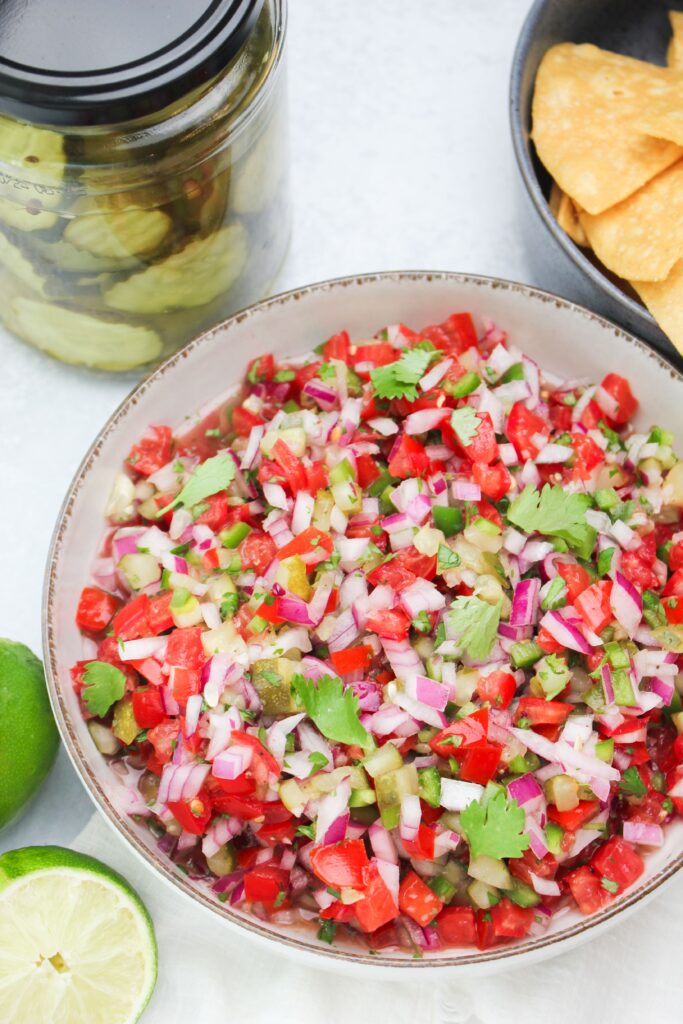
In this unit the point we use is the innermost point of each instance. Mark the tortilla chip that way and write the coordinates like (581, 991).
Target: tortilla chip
(642, 237)
(585, 107)
(674, 55)
(555, 198)
(567, 217)
(664, 299)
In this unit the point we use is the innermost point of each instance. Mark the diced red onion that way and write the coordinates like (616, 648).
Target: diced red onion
(545, 886)
(384, 426)
(553, 453)
(524, 789)
(181, 782)
(422, 712)
(233, 762)
(402, 657)
(278, 733)
(418, 508)
(565, 633)
(333, 815)
(428, 691)
(508, 454)
(171, 705)
(625, 536)
(389, 874)
(465, 490)
(387, 720)
(324, 396)
(421, 596)
(410, 817)
(643, 833)
(423, 420)
(607, 402)
(344, 633)
(192, 713)
(663, 689)
(382, 844)
(433, 376)
(146, 647)
(525, 603)
(457, 795)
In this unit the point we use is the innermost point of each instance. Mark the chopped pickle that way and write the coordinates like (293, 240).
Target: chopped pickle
(271, 678)
(124, 726)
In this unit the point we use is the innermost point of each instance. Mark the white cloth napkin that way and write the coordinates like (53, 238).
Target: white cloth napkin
(209, 974)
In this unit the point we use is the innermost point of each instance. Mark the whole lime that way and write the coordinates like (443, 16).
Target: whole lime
(28, 734)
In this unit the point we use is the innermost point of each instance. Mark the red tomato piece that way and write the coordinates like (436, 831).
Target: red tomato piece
(391, 623)
(498, 688)
(316, 476)
(547, 642)
(266, 883)
(480, 762)
(132, 622)
(584, 885)
(543, 712)
(194, 815)
(575, 577)
(243, 421)
(353, 659)
(588, 455)
(186, 683)
(377, 906)
(483, 448)
(527, 431)
(217, 512)
(422, 847)
(291, 466)
(163, 738)
(620, 390)
(408, 458)
(573, 820)
(261, 368)
(184, 648)
(95, 609)
(310, 540)
(159, 613)
(257, 551)
(417, 900)
(260, 753)
(468, 731)
(148, 707)
(380, 353)
(153, 451)
(618, 861)
(367, 470)
(455, 926)
(337, 347)
(342, 864)
(593, 605)
(454, 335)
(510, 921)
(494, 481)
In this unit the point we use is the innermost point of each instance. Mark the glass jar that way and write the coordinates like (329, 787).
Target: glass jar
(126, 229)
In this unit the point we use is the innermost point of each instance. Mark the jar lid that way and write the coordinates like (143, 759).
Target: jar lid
(88, 62)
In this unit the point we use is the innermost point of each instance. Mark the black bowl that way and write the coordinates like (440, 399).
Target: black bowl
(639, 28)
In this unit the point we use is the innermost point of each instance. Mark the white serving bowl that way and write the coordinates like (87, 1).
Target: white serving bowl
(563, 337)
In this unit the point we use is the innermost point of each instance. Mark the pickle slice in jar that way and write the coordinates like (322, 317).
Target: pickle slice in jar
(63, 256)
(33, 161)
(118, 234)
(79, 338)
(13, 260)
(199, 273)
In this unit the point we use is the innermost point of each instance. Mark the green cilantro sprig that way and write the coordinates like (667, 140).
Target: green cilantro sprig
(555, 513)
(474, 624)
(399, 379)
(212, 476)
(333, 709)
(104, 685)
(494, 828)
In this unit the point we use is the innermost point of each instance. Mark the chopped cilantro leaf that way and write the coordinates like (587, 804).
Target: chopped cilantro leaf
(327, 931)
(474, 624)
(399, 379)
(495, 830)
(210, 477)
(555, 513)
(306, 830)
(318, 760)
(447, 559)
(609, 885)
(631, 783)
(465, 423)
(104, 685)
(333, 709)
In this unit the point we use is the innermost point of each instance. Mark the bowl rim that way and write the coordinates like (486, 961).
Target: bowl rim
(528, 950)
(533, 188)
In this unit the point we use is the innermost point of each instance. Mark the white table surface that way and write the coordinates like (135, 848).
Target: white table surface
(402, 159)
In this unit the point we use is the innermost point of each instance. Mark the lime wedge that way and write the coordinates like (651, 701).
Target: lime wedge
(77, 945)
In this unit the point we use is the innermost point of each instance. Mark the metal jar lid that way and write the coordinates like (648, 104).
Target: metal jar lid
(89, 62)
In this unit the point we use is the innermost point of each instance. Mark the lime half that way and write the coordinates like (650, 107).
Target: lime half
(77, 945)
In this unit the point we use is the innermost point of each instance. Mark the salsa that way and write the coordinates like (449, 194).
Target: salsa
(391, 643)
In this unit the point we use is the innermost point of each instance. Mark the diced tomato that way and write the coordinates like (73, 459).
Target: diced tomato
(184, 648)
(390, 623)
(291, 466)
(95, 609)
(618, 861)
(593, 605)
(575, 577)
(282, 832)
(672, 598)
(573, 820)
(186, 682)
(620, 390)
(468, 731)
(636, 565)
(454, 335)
(486, 936)
(377, 906)
(132, 622)
(257, 551)
(340, 912)
(417, 900)
(353, 659)
(408, 458)
(243, 421)
(592, 416)
(246, 807)
(266, 883)
(498, 688)
(494, 481)
(422, 846)
(217, 512)
(150, 669)
(543, 712)
(455, 926)
(194, 815)
(487, 511)
(367, 469)
(480, 762)
(587, 890)
(510, 921)
(310, 540)
(316, 476)
(483, 448)
(587, 456)
(674, 787)
(337, 347)
(159, 613)
(163, 738)
(402, 570)
(148, 707)
(526, 865)
(547, 642)
(261, 755)
(676, 556)
(527, 431)
(153, 451)
(342, 864)
(379, 353)
(262, 368)
(243, 785)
